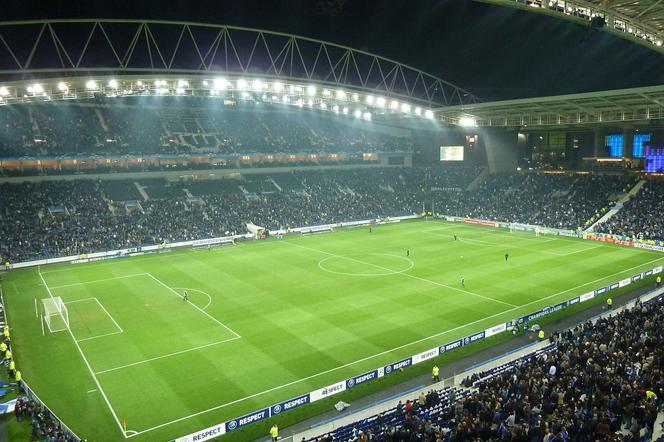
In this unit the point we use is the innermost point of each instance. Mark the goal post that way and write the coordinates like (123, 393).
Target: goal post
(55, 314)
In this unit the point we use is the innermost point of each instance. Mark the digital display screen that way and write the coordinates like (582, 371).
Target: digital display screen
(451, 153)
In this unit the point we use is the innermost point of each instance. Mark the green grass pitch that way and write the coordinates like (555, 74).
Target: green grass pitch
(270, 320)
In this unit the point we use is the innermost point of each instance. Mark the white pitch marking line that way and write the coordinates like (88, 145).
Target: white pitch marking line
(404, 274)
(195, 306)
(97, 280)
(145, 361)
(108, 403)
(79, 300)
(504, 312)
(99, 336)
(92, 391)
(109, 315)
(199, 291)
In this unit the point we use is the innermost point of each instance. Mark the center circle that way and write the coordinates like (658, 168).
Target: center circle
(366, 264)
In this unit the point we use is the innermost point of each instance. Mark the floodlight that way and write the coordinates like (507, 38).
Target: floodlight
(245, 95)
(285, 98)
(428, 114)
(323, 106)
(310, 102)
(113, 84)
(367, 116)
(62, 87)
(298, 89)
(466, 122)
(300, 102)
(277, 87)
(356, 97)
(370, 99)
(311, 90)
(405, 108)
(179, 91)
(380, 101)
(394, 105)
(157, 83)
(4, 91)
(91, 84)
(220, 83)
(37, 88)
(335, 108)
(345, 110)
(205, 83)
(326, 92)
(418, 111)
(257, 85)
(183, 83)
(139, 83)
(341, 95)
(242, 84)
(29, 89)
(357, 113)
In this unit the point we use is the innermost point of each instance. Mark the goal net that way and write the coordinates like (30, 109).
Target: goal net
(55, 314)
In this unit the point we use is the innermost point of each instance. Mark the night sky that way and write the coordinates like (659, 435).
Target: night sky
(494, 52)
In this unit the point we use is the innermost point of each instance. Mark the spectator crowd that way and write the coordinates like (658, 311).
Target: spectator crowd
(56, 218)
(601, 381)
(148, 125)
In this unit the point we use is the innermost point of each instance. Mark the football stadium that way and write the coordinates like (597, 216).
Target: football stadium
(332, 221)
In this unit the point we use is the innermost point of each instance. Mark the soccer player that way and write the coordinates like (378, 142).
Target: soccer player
(407, 252)
(507, 256)
(185, 296)
(463, 282)
(455, 237)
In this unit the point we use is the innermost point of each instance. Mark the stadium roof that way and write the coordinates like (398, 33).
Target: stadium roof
(641, 21)
(46, 49)
(617, 107)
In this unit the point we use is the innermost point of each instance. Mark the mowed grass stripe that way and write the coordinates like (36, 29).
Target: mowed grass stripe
(301, 327)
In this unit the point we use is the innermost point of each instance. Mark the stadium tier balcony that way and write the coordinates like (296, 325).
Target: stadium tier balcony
(152, 125)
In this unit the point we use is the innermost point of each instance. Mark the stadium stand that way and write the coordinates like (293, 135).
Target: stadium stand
(164, 125)
(641, 216)
(600, 380)
(72, 217)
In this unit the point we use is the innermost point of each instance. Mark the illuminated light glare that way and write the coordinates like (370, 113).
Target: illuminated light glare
(4, 91)
(62, 87)
(345, 110)
(300, 102)
(220, 83)
(405, 108)
(370, 99)
(183, 83)
(113, 84)
(357, 113)
(205, 83)
(335, 108)
(298, 88)
(274, 98)
(179, 90)
(356, 97)
(326, 92)
(242, 84)
(323, 106)
(310, 102)
(311, 90)
(245, 95)
(418, 111)
(139, 83)
(341, 95)
(394, 105)
(380, 101)
(467, 122)
(367, 116)
(37, 88)
(285, 98)
(278, 87)
(257, 85)
(428, 114)
(29, 89)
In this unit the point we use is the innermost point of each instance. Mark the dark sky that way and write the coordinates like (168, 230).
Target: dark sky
(496, 53)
